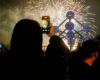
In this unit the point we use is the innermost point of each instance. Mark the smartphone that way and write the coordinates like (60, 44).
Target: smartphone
(45, 24)
(1, 45)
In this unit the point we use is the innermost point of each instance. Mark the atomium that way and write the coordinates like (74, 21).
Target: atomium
(71, 34)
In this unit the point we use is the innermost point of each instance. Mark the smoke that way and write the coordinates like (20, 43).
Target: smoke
(10, 13)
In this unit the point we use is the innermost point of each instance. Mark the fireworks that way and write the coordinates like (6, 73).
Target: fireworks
(57, 10)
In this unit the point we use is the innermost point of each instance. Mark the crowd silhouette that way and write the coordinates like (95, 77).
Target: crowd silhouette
(58, 63)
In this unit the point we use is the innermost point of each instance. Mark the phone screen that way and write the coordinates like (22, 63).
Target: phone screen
(1, 46)
(45, 24)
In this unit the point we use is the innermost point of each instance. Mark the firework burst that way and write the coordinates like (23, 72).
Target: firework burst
(57, 10)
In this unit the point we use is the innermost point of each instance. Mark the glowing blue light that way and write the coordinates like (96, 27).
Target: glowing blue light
(70, 34)
(69, 26)
(56, 28)
(1, 46)
(86, 37)
(86, 28)
(70, 15)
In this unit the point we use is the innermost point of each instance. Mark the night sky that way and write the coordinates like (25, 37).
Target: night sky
(9, 11)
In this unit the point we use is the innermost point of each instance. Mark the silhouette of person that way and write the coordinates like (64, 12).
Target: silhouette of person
(26, 48)
(86, 67)
(27, 39)
(56, 54)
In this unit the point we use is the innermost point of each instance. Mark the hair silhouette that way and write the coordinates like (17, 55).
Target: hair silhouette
(26, 39)
(26, 49)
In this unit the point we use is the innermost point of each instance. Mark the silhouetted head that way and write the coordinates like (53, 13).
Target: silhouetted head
(54, 39)
(27, 37)
(56, 47)
(89, 47)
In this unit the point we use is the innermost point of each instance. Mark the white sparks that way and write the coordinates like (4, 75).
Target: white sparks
(57, 10)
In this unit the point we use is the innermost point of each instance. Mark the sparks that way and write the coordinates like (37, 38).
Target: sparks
(57, 10)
